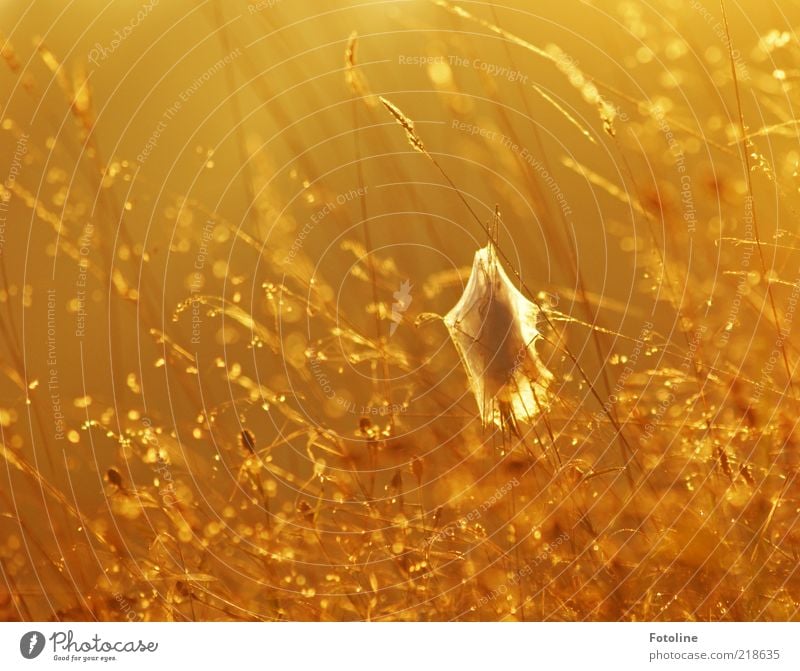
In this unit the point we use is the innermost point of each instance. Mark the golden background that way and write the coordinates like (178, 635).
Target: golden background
(212, 406)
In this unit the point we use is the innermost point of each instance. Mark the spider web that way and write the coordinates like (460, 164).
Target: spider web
(493, 327)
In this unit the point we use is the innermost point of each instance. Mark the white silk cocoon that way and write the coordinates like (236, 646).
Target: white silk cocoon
(493, 327)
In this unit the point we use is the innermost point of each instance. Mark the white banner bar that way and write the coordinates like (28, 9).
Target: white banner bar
(400, 646)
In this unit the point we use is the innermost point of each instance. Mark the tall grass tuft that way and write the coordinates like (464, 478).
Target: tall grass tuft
(290, 364)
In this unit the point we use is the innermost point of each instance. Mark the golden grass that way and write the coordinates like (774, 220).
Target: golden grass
(264, 417)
